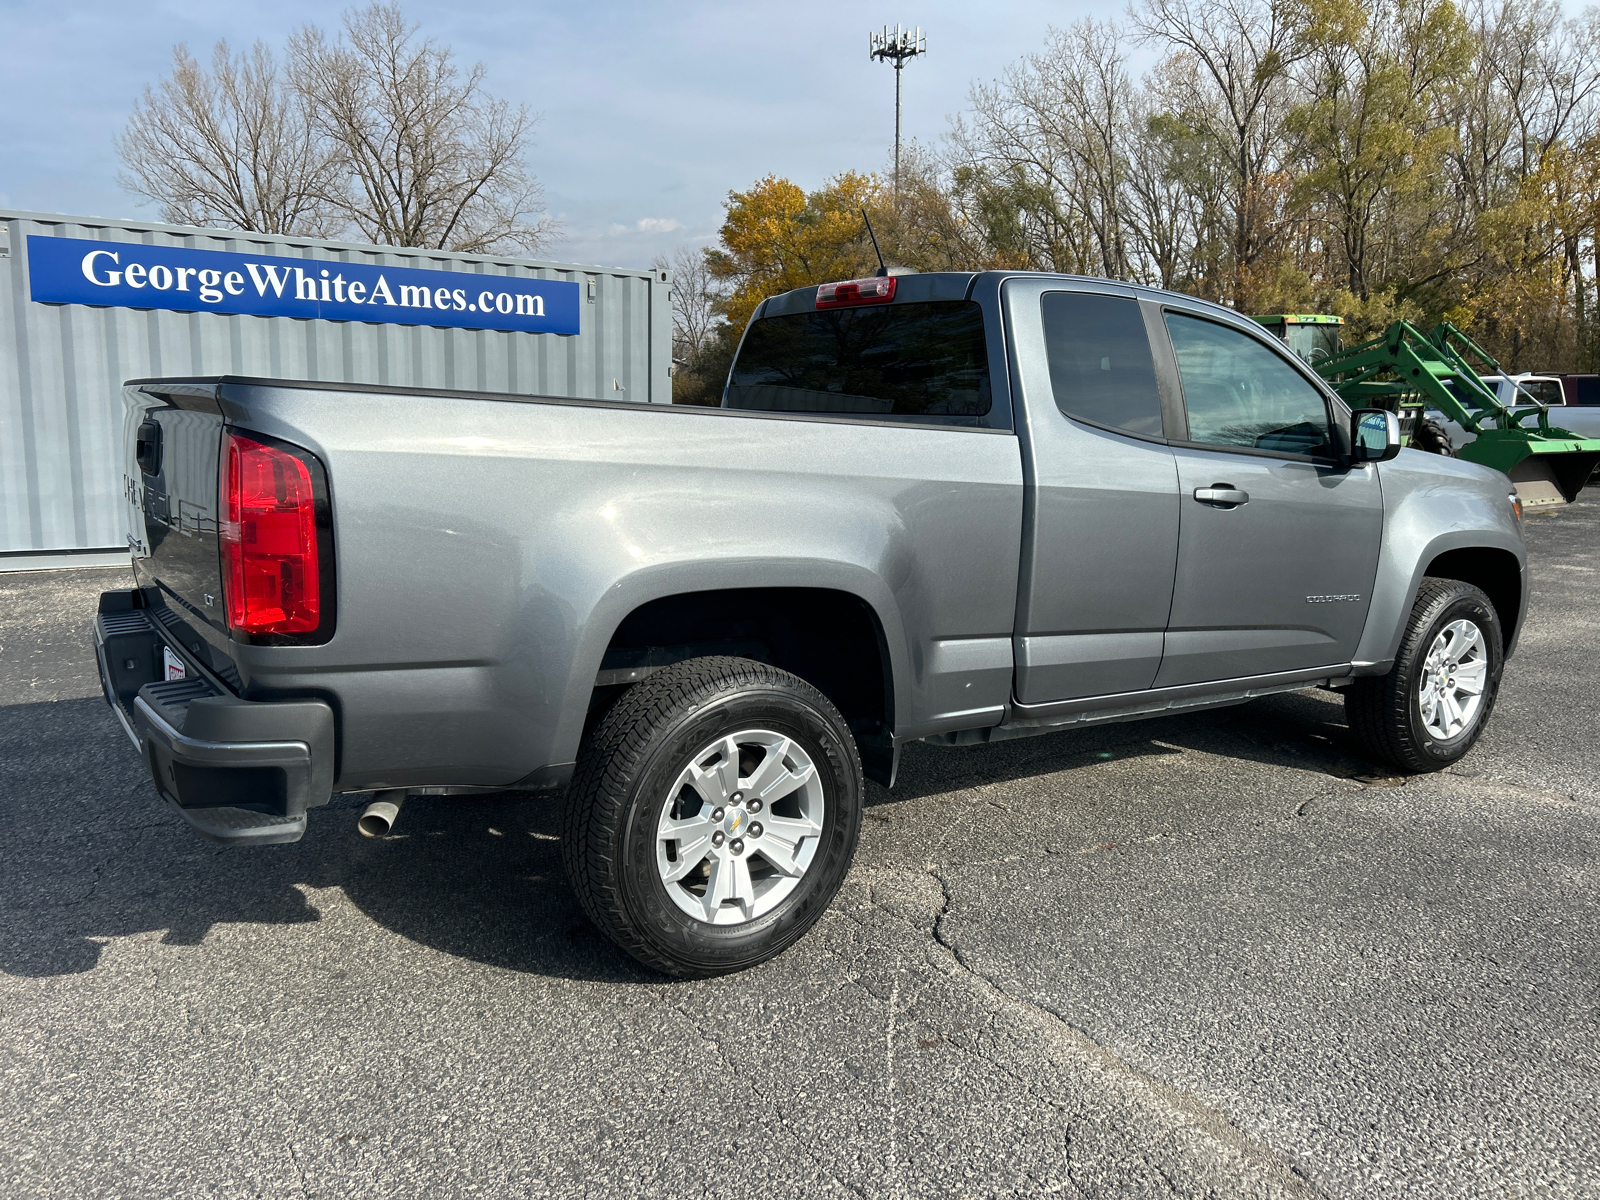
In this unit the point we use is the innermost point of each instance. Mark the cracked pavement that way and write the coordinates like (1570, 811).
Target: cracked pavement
(1204, 956)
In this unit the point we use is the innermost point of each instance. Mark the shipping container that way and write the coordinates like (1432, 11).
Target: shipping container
(77, 320)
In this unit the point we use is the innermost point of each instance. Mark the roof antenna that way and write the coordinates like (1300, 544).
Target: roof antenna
(882, 269)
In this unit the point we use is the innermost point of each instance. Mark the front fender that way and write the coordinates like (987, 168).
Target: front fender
(1433, 505)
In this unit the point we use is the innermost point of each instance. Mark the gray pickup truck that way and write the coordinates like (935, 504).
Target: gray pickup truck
(949, 507)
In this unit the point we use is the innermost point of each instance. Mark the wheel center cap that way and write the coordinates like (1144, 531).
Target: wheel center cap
(733, 822)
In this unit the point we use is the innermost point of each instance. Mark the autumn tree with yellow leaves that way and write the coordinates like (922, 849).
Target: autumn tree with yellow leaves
(776, 237)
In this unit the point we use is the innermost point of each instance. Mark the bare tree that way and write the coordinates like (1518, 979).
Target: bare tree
(232, 148)
(427, 157)
(696, 302)
(1173, 193)
(1243, 51)
(1089, 63)
(1055, 128)
(1094, 169)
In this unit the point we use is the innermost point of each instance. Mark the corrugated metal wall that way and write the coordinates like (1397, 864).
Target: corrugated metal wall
(62, 365)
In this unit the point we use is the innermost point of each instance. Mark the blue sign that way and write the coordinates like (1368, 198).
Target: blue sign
(134, 275)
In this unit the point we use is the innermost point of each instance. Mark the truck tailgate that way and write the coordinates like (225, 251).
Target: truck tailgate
(172, 440)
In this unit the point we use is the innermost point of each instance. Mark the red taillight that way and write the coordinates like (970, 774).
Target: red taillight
(879, 290)
(271, 576)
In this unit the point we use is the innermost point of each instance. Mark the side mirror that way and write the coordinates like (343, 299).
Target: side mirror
(1374, 435)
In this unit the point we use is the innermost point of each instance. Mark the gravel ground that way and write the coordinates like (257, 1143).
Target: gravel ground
(1207, 956)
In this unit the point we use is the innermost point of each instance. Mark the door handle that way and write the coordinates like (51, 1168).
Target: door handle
(1222, 495)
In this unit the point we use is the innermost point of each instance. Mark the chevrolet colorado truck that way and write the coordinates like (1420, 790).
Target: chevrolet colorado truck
(952, 507)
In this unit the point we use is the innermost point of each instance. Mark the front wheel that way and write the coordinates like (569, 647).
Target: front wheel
(713, 815)
(1427, 712)
(1432, 437)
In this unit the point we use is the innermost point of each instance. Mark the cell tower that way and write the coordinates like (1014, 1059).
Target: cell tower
(899, 47)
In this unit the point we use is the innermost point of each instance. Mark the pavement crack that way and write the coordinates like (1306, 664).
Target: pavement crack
(1186, 1108)
(299, 1167)
(892, 1166)
(938, 928)
(1532, 795)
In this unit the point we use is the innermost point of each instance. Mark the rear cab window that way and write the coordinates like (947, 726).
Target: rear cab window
(920, 361)
(1584, 390)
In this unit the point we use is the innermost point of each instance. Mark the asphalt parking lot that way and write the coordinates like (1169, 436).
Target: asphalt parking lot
(1206, 956)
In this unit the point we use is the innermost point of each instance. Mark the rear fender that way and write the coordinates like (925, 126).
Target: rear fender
(635, 589)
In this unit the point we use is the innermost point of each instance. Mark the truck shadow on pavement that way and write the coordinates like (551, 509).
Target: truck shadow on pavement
(92, 854)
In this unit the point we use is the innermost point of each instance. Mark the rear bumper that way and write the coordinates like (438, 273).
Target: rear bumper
(238, 771)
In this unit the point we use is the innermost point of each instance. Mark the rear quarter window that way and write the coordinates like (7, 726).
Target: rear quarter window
(1543, 391)
(926, 359)
(1101, 369)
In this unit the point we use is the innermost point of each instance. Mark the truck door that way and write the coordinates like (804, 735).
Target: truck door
(1278, 539)
(1100, 526)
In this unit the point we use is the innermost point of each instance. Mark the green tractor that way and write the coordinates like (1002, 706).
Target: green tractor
(1408, 373)
(1312, 336)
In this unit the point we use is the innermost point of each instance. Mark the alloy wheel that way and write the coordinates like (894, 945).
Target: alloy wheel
(741, 827)
(1454, 676)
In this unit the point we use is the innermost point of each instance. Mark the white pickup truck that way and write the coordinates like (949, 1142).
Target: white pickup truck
(1519, 391)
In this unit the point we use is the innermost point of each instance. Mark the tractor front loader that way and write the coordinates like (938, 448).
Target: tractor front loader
(1407, 373)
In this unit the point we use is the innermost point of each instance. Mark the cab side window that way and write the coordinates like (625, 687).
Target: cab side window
(1100, 365)
(1241, 395)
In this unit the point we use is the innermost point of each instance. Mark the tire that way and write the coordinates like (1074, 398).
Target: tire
(661, 760)
(1432, 437)
(1391, 716)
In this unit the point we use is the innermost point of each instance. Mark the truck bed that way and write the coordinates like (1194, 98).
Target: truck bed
(485, 547)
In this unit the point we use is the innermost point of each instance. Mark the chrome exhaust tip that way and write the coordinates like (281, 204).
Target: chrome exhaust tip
(378, 818)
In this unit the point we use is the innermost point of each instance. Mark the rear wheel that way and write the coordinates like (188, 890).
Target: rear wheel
(1430, 708)
(713, 815)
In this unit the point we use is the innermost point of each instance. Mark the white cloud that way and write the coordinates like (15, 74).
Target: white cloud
(647, 225)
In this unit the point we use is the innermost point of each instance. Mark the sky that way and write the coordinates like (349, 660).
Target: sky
(651, 113)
